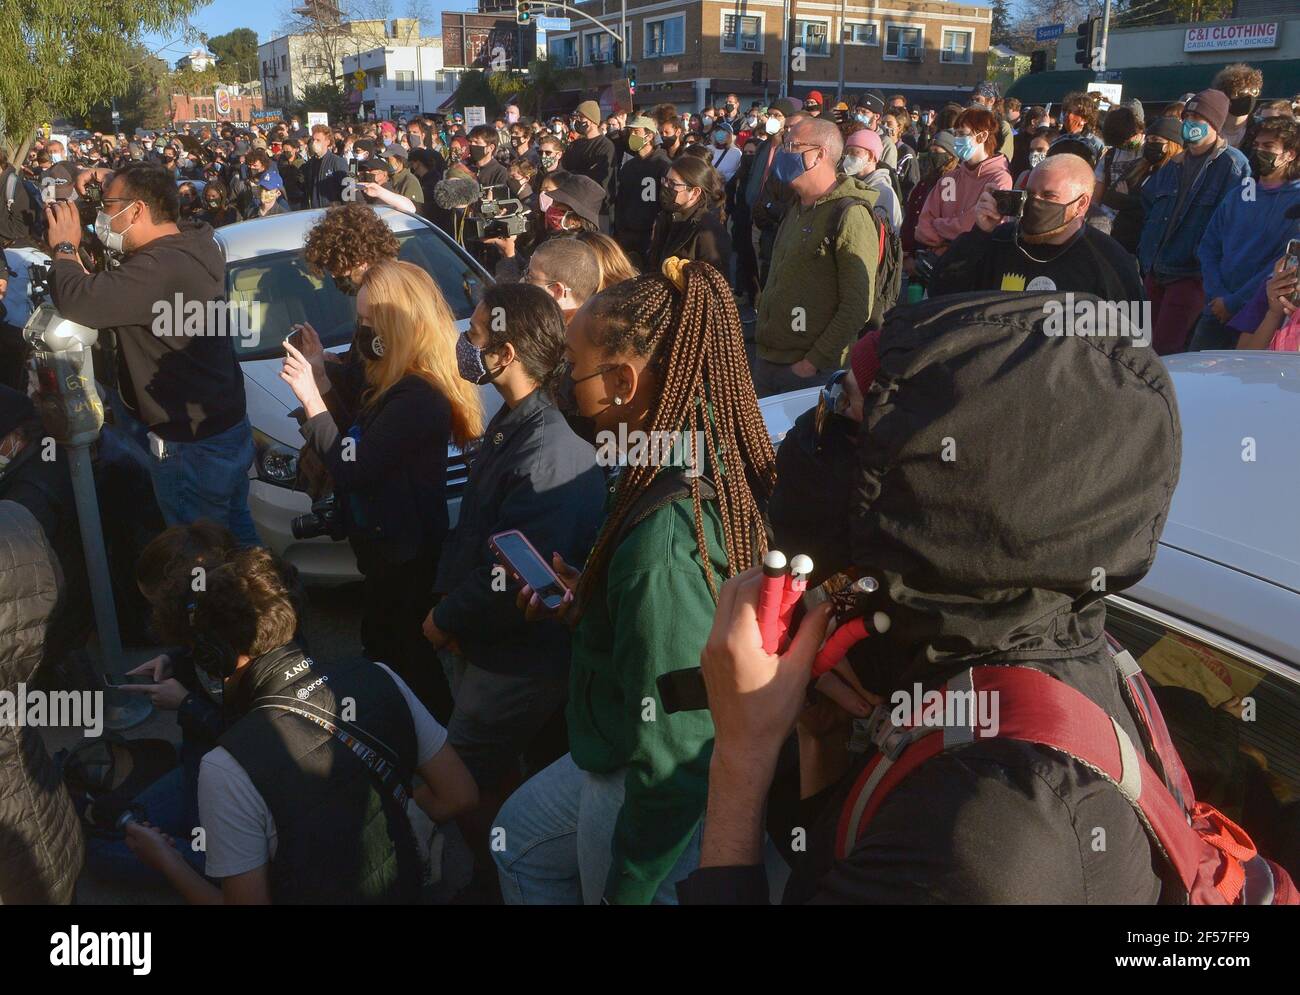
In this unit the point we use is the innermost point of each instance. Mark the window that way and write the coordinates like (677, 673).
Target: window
(903, 42)
(284, 62)
(956, 46)
(742, 33)
(598, 48)
(405, 79)
(563, 51)
(813, 37)
(1232, 718)
(862, 34)
(665, 36)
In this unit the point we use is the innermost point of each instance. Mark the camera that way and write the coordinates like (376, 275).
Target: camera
(324, 519)
(497, 217)
(90, 202)
(1011, 203)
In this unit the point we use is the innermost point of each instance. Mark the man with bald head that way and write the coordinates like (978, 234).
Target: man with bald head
(1049, 247)
(821, 284)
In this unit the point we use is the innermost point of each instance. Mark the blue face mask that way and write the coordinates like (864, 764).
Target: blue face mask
(863, 119)
(1194, 131)
(964, 146)
(788, 166)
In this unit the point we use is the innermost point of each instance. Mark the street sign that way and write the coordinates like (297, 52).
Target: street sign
(1049, 32)
(553, 23)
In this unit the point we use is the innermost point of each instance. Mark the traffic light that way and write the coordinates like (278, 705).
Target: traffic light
(631, 76)
(1088, 41)
(1038, 61)
(523, 12)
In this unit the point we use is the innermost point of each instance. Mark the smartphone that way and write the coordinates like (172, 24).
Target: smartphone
(1011, 203)
(1292, 265)
(514, 550)
(294, 338)
(125, 680)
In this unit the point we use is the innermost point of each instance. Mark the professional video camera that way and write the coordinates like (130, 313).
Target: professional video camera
(497, 216)
(90, 202)
(324, 519)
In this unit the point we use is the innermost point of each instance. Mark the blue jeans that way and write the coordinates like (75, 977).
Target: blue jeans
(207, 479)
(558, 838)
(1211, 333)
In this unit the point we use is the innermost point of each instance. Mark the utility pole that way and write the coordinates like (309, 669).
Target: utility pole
(1105, 40)
(839, 91)
(785, 49)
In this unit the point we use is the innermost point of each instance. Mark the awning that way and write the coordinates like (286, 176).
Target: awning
(1152, 84)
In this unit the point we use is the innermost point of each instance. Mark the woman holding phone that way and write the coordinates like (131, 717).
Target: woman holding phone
(389, 466)
(618, 817)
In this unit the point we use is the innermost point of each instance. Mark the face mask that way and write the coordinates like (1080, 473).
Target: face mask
(964, 146)
(1194, 131)
(1262, 163)
(544, 201)
(550, 161)
(1241, 106)
(667, 199)
(1035, 158)
(555, 215)
(720, 138)
(583, 426)
(1043, 217)
(469, 362)
(751, 122)
(1153, 153)
(558, 128)
(114, 241)
(863, 119)
(788, 166)
(636, 142)
(772, 126)
(56, 157)
(852, 165)
(368, 342)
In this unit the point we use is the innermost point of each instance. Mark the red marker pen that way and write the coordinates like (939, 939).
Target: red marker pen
(770, 597)
(845, 638)
(801, 568)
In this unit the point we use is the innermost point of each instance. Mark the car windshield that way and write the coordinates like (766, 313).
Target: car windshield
(282, 291)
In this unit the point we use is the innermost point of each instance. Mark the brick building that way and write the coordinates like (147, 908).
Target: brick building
(203, 107)
(470, 41)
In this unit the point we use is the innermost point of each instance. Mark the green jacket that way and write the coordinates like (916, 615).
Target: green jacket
(819, 289)
(655, 617)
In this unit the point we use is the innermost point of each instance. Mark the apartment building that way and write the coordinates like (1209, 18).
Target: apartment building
(293, 62)
(387, 83)
(691, 52)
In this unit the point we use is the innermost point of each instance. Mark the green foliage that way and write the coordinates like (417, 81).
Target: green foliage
(1001, 31)
(324, 96)
(71, 54)
(1142, 12)
(193, 83)
(475, 90)
(545, 80)
(236, 53)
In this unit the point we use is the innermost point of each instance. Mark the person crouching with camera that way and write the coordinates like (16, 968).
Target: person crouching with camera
(389, 467)
(304, 800)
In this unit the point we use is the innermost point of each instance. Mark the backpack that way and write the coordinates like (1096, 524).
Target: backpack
(29, 215)
(1212, 859)
(889, 262)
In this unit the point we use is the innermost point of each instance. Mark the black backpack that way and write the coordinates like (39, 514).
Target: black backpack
(889, 262)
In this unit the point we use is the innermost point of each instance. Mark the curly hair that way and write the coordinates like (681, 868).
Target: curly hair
(1083, 106)
(1237, 78)
(348, 236)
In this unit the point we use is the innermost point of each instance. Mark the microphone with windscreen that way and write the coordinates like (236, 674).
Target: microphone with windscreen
(456, 193)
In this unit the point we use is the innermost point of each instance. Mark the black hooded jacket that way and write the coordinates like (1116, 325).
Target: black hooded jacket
(1000, 473)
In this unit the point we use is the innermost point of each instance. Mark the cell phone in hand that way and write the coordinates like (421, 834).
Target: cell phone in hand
(1292, 265)
(126, 680)
(294, 338)
(1010, 203)
(514, 550)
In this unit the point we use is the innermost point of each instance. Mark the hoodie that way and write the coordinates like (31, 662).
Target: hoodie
(985, 557)
(1242, 241)
(949, 208)
(182, 380)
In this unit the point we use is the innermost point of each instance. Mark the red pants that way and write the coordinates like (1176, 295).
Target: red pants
(1175, 308)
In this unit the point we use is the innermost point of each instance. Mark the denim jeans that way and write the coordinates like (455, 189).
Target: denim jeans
(1211, 333)
(207, 479)
(558, 837)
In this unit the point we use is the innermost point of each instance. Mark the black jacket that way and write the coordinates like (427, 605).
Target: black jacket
(595, 158)
(392, 480)
(18, 220)
(637, 203)
(990, 558)
(698, 235)
(532, 474)
(322, 180)
(183, 386)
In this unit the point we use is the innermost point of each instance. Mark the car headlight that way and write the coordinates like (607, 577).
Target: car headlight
(276, 463)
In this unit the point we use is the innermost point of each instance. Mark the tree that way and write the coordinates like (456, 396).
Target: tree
(194, 82)
(1133, 13)
(323, 96)
(236, 53)
(1001, 33)
(72, 54)
(475, 91)
(545, 80)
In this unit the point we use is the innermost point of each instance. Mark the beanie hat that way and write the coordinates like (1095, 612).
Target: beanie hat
(1211, 105)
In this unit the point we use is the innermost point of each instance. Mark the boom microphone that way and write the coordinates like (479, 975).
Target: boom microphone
(456, 193)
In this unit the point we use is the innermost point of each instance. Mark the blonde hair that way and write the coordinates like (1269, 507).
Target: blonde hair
(419, 333)
(613, 263)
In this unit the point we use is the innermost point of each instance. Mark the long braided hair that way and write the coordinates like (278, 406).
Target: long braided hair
(696, 350)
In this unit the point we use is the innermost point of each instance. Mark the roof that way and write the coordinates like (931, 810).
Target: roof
(288, 232)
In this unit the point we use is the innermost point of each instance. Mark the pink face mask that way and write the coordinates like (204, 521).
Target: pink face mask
(544, 202)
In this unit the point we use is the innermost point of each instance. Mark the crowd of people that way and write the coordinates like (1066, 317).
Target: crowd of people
(672, 269)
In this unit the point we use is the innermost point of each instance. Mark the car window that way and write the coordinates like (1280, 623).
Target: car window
(1235, 724)
(281, 291)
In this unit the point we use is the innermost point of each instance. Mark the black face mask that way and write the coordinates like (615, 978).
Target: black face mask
(1241, 106)
(368, 342)
(1262, 163)
(1153, 153)
(583, 426)
(667, 199)
(1042, 217)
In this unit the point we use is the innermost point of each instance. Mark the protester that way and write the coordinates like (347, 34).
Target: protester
(566, 269)
(389, 470)
(403, 181)
(322, 177)
(483, 157)
(592, 154)
(1242, 85)
(815, 301)
(639, 183)
(949, 209)
(618, 818)
(270, 189)
(1179, 201)
(1269, 320)
(862, 162)
(217, 211)
(688, 225)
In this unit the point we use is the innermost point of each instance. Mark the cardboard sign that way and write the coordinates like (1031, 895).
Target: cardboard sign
(620, 94)
(474, 116)
(317, 117)
(1110, 92)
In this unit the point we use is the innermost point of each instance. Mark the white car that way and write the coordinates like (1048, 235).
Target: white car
(265, 266)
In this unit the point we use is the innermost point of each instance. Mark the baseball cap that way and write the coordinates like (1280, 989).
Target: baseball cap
(395, 151)
(640, 121)
(270, 180)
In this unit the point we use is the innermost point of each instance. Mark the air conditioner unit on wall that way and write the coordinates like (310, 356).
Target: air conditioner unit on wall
(749, 45)
(912, 53)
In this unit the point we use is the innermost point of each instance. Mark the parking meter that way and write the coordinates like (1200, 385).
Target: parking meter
(73, 414)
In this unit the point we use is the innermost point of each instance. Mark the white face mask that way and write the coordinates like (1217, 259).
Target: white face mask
(751, 121)
(773, 126)
(114, 241)
(852, 165)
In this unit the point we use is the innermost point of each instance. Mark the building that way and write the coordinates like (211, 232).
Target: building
(227, 103)
(398, 81)
(693, 52)
(1158, 64)
(293, 62)
(489, 41)
(199, 60)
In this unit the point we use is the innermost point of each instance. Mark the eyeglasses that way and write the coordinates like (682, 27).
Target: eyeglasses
(797, 146)
(676, 185)
(832, 402)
